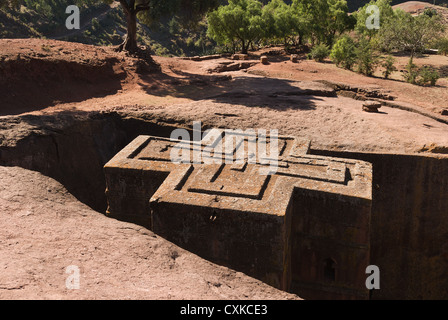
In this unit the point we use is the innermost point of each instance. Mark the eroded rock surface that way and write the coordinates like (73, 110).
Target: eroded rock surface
(44, 230)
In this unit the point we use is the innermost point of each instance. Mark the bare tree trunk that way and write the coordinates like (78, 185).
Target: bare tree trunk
(130, 42)
(130, 10)
(244, 47)
(251, 46)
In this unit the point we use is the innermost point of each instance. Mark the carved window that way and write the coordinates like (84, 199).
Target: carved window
(330, 270)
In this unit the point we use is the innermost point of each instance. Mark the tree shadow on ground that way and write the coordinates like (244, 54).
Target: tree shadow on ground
(238, 89)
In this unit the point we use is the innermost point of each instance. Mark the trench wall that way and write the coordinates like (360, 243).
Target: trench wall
(74, 150)
(409, 224)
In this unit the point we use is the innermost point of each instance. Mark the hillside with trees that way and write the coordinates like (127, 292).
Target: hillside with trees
(200, 27)
(165, 30)
(170, 27)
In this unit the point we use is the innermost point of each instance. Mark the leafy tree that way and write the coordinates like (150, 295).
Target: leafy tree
(365, 58)
(408, 33)
(312, 11)
(323, 19)
(413, 34)
(281, 21)
(338, 20)
(386, 14)
(343, 52)
(238, 22)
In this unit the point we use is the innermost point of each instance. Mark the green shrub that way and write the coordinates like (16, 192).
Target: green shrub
(199, 43)
(442, 46)
(95, 24)
(428, 75)
(344, 52)
(411, 73)
(430, 12)
(423, 76)
(365, 58)
(319, 52)
(189, 42)
(174, 26)
(389, 67)
(159, 50)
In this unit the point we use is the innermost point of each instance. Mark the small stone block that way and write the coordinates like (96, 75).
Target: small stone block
(264, 60)
(240, 56)
(371, 106)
